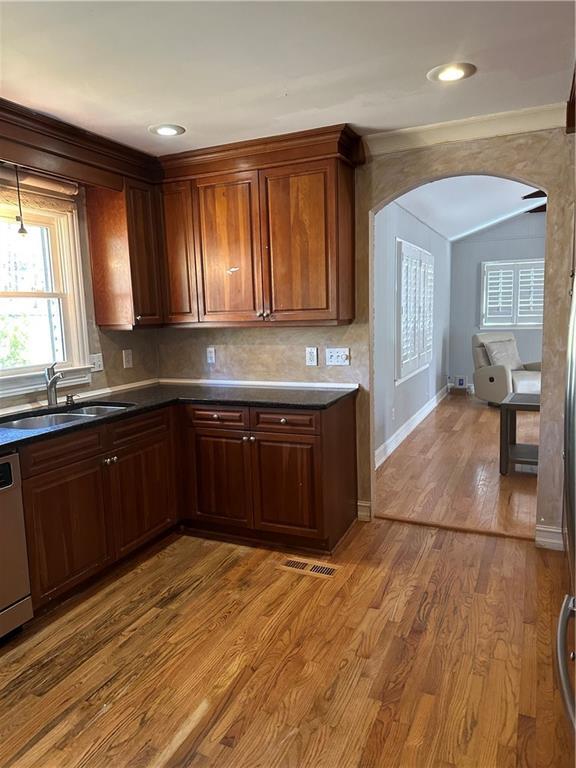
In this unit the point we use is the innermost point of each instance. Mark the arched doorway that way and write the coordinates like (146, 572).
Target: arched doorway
(454, 259)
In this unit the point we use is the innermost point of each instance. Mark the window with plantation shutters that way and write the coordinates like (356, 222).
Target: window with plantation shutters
(512, 294)
(415, 308)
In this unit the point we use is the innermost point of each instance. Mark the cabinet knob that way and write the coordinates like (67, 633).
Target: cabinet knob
(107, 462)
(215, 416)
(260, 313)
(252, 439)
(138, 318)
(115, 459)
(283, 420)
(245, 438)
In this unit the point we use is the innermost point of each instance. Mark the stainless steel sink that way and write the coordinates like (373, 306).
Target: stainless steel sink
(46, 420)
(99, 410)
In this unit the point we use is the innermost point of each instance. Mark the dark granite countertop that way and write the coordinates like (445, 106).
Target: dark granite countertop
(147, 398)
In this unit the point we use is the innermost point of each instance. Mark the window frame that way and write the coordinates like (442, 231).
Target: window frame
(424, 329)
(515, 265)
(68, 288)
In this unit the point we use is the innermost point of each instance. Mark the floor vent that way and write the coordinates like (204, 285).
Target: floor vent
(309, 568)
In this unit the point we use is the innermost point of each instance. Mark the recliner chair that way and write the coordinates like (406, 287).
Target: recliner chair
(493, 383)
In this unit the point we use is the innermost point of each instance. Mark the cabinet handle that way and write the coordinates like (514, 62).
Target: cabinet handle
(283, 421)
(215, 416)
(252, 439)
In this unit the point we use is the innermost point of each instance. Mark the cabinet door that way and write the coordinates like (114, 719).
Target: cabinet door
(67, 527)
(179, 266)
(286, 481)
(221, 459)
(298, 209)
(142, 492)
(229, 262)
(142, 211)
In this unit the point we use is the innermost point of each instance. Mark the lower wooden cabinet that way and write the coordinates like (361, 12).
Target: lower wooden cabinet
(142, 491)
(287, 476)
(221, 466)
(288, 479)
(68, 527)
(87, 514)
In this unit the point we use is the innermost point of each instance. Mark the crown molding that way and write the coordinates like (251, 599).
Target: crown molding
(333, 141)
(480, 127)
(43, 143)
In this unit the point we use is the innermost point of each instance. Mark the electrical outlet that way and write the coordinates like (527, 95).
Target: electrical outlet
(97, 362)
(338, 356)
(311, 355)
(211, 355)
(127, 358)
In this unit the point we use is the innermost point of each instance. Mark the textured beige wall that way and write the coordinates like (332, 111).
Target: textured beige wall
(543, 159)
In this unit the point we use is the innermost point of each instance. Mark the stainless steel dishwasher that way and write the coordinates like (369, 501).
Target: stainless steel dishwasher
(15, 600)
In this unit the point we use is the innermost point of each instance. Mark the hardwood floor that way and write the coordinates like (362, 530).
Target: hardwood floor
(446, 473)
(426, 648)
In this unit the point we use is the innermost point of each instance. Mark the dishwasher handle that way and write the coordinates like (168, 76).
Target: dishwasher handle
(567, 612)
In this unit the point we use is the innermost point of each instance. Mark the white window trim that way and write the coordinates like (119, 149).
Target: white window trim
(515, 264)
(427, 257)
(20, 381)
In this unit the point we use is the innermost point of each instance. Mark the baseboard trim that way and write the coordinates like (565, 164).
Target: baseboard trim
(549, 537)
(364, 511)
(387, 448)
(260, 383)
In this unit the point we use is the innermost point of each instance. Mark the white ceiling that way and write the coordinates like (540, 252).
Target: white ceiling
(460, 205)
(232, 71)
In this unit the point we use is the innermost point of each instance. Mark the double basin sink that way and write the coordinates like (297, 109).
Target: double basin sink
(70, 415)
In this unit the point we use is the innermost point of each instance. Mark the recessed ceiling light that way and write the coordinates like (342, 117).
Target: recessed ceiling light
(166, 129)
(450, 73)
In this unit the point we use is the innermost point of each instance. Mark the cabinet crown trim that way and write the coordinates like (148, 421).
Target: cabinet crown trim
(334, 141)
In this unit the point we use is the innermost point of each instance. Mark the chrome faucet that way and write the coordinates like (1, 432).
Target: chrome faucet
(52, 379)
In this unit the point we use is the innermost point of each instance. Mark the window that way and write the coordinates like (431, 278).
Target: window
(415, 309)
(42, 316)
(512, 294)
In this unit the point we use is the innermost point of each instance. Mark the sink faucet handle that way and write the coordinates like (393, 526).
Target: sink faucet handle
(51, 369)
(70, 399)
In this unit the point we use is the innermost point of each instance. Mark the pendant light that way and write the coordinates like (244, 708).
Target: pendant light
(22, 230)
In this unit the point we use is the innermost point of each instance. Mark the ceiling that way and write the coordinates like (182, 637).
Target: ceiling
(229, 71)
(457, 206)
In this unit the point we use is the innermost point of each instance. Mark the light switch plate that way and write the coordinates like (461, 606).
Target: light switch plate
(211, 355)
(338, 356)
(311, 355)
(127, 358)
(97, 362)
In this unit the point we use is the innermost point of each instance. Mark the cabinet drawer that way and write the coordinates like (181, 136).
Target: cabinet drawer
(218, 416)
(148, 425)
(57, 452)
(276, 420)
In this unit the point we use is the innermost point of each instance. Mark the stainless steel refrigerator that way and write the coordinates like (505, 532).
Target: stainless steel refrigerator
(567, 619)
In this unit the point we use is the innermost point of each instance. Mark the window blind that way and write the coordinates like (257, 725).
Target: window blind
(512, 293)
(415, 308)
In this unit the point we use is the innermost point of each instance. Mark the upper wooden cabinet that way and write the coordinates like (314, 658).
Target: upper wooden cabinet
(179, 263)
(273, 228)
(300, 257)
(124, 250)
(247, 234)
(228, 248)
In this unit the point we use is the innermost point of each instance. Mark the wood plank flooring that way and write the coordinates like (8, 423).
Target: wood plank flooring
(446, 473)
(426, 648)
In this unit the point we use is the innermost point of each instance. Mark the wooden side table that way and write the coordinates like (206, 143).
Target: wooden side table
(512, 452)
